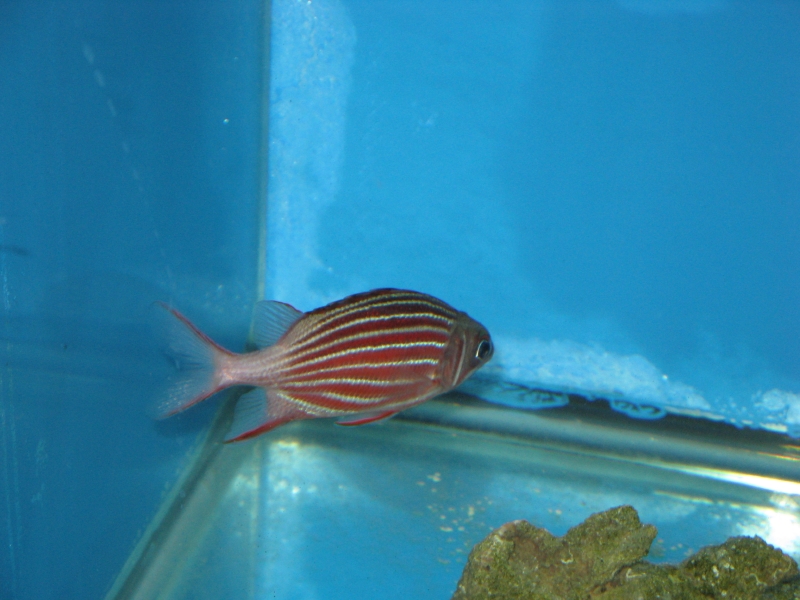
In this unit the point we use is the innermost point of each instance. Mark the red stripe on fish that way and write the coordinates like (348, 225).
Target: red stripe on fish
(371, 337)
(387, 350)
(332, 404)
(370, 319)
(374, 353)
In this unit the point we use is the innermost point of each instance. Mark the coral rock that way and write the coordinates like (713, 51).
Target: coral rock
(520, 561)
(601, 559)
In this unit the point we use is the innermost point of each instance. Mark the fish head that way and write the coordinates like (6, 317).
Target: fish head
(469, 348)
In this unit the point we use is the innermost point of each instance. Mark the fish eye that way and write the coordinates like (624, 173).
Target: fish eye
(484, 349)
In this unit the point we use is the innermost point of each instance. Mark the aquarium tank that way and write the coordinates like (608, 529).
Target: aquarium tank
(611, 188)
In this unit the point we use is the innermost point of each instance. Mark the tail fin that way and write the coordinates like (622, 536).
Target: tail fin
(196, 358)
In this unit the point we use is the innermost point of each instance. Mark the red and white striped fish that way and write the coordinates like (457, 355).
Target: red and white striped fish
(364, 358)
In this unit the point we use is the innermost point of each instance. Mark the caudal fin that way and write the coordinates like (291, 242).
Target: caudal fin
(196, 358)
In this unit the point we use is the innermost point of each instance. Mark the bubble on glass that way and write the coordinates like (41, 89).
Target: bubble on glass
(638, 411)
(514, 395)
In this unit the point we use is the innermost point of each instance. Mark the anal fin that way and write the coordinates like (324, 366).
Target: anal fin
(259, 411)
(363, 419)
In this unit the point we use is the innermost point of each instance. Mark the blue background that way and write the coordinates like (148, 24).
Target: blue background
(620, 178)
(121, 184)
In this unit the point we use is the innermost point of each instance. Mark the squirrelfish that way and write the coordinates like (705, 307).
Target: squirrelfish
(363, 358)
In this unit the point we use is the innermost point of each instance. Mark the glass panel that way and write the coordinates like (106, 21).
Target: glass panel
(311, 510)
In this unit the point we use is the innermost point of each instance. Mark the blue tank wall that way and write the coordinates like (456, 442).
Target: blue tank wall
(128, 174)
(611, 187)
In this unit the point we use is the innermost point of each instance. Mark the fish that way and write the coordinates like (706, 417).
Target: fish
(360, 359)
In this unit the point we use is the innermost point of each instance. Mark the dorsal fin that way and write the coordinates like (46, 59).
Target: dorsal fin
(271, 320)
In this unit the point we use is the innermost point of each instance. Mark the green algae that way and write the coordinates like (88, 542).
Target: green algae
(602, 558)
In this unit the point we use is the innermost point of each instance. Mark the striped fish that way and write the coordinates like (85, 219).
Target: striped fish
(363, 358)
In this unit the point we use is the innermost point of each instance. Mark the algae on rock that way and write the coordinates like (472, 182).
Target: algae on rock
(602, 558)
